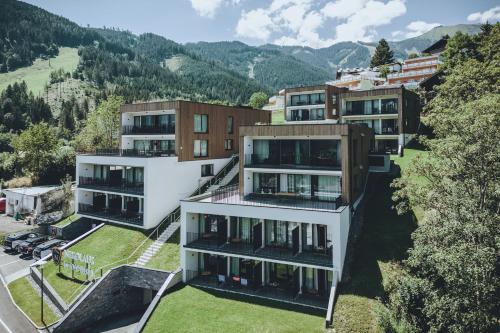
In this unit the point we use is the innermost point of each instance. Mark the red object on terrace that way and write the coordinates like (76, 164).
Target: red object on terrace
(2, 204)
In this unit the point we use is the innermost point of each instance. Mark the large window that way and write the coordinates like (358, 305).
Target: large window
(164, 123)
(230, 125)
(307, 99)
(200, 148)
(362, 107)
(390, 105)
(201, 123)
(265, 183)
(207, 170)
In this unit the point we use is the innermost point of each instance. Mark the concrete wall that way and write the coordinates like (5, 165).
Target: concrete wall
(120, 291)
(72, 230)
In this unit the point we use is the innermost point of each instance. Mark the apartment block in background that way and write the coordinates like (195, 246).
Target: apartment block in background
(392, 112)
(282, 232)
(167, 150)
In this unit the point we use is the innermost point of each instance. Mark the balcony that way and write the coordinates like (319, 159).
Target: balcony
(411, 73)
(134, 153)
(129, 217)
(144, 129)
(111, 185)
(321, 161)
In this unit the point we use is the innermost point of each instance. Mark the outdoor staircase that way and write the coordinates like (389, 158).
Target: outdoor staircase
(227, 178)
(172, 220)
(157, 244)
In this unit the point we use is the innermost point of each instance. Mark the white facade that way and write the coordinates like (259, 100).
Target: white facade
(26, 200)
(166, 182)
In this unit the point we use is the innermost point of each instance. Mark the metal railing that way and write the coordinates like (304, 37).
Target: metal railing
(218, 177)
(117, 185)
(135, 152)
(130, 217)
(411, 73)
(143, 129)
(231, 195)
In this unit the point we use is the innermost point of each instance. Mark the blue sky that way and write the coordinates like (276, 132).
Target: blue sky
(315, 23)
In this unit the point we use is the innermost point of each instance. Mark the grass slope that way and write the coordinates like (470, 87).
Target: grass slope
(108, 245)
(67, 220)
(168, 258)
(194, 310)
(29, 301)
(278, 117)
(37, 75)
(384, 242)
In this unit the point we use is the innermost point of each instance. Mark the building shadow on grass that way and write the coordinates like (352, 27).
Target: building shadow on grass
(252, 300)
(385, 238)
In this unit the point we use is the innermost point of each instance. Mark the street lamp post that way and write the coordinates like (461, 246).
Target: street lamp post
(41, 289)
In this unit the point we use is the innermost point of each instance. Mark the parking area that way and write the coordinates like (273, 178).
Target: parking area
(11, 263)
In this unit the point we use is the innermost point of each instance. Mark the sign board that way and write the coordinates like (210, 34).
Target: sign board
(57, 255)
(80, 262)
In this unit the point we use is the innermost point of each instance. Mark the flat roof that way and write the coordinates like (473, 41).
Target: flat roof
(31, 191)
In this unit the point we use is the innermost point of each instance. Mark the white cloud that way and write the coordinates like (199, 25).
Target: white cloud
(360, 25)
(298, 22)
(414, 29)
(255, 24)
(490, 15)
(208, 8)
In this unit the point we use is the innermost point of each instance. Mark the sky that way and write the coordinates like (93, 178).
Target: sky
(313, 23)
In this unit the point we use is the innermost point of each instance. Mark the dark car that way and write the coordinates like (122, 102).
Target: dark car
(45, 249)
(27, 246)
(12, 241)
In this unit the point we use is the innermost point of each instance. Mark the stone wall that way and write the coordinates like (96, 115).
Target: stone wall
(119, 291)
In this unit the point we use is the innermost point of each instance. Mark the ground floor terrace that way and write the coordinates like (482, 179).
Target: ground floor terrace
(293, 284)
(113, 207)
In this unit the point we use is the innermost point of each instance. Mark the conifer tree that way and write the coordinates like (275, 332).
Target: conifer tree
(383, 54)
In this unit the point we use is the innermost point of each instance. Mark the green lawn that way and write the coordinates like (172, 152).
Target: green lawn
(194, 310)
(109, 245)
(384, 242)
(70, 219)
(37, 74)
(168, 258)
(278, 117)
(29, 301)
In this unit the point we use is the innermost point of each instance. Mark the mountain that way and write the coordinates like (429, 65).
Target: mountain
(270, 67)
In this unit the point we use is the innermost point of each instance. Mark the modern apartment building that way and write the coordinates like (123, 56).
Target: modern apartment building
(167, 150)
(393, 112)
(281, 233)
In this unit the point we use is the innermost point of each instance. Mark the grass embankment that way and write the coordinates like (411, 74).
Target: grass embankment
(37, 75)
(109, 245)
(168, 257)
(29, 301)
(385, 240)
(194, 310)
(67, 220)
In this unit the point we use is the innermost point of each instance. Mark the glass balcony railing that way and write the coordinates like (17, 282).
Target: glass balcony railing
(144, 129)
(125, 216)
(134, 152)
(113, 185)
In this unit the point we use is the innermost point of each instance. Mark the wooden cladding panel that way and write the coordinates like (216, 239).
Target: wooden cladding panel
(217, 128)
(294, 130)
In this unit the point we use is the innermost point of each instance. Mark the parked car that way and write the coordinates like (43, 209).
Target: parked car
(12, 241)
(3, 202)
(45, 249)
(26, 247)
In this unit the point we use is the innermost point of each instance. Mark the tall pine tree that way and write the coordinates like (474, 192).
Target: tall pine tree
(383, 54)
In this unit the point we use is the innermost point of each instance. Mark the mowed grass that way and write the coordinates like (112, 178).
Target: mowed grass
(110, 245)
(37, 75)
(193, 310)
(168, 257)
(67, 220)
(384, 242)
(278, 117)
(29, 301)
